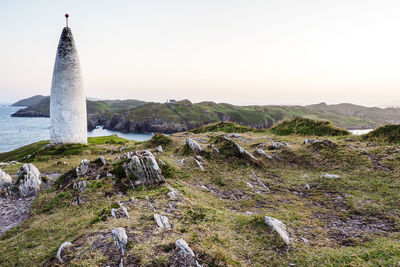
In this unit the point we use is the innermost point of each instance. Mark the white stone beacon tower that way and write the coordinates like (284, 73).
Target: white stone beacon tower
(68, 121)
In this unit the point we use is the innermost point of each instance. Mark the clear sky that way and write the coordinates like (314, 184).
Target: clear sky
(236, 51)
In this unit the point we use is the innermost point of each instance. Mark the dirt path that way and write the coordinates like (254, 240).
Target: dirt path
(13, 211)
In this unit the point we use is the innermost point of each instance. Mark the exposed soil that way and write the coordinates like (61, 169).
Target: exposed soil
(13, 211)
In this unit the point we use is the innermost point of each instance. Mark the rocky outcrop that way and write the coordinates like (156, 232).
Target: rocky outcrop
(143, 169)
(120, 238)
(193, 145)
(5, 179)
(184, 255)
(29, 180)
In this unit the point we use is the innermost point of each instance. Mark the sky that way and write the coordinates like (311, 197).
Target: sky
(286, 52)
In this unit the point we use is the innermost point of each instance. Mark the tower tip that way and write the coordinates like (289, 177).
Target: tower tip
(66, 18)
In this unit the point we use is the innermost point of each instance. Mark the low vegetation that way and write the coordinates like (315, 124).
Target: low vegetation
(226, 127)
(351, 219)
(384, 134)
(303, 126)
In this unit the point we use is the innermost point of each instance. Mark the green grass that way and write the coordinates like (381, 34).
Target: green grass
(226, 127)
(304, 126)
(385, 134)
(223, 225)
(20, 153)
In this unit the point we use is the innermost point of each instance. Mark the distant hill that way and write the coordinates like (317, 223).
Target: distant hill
(379, 115)
(141, 116)
(29, 101)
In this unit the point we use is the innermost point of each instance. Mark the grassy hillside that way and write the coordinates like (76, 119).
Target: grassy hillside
(184, 115)
(351, 220)
(384, 134)
(302, 126)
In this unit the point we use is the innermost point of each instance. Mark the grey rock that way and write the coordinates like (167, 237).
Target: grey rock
(120, 238)
(173, 194)
(193, 145)
(144, 168)
(162, 221)
(327, 175)
(278, 145)
(29, 181)
(103, 160)
(263, 153)
(200, 165)
(185, 255)
(61, 248)
(159, 149)
(81, 186)
(279, 227)
(5, 179)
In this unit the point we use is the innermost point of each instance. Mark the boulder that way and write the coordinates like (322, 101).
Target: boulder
(279, 227)
(159, 149)
(120, 238)
(143, 169)
(162, 221)
(29, 180)
(5, 179)
(193, 145)
(61, 248)
(83, 168)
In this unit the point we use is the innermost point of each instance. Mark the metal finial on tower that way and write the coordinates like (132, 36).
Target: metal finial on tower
(66, 18)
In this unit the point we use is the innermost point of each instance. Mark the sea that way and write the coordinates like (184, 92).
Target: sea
(17, 132)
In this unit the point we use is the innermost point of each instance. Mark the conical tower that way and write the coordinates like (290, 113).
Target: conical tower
(68, 122)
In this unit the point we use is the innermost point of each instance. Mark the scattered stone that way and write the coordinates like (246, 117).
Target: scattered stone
(5, 179)
(159, 149)
(61, 248)
(305, 240)
(148, 202)
(250, 185)
(205, 188)
(120, 238)
(193, 145)
(185, 255)
(124, 209)
(103, 160)
(162, 221)
(327, 175)
(260, 182)
(235, 135)
(279, 227)
(200, 165)
(29, 180)
(307, 186)
(320, 143)
(83, 168)
(199, 158)
(278, 145)
(173, 194)
(81, 186)
(143, 167)
(214, 148)
(262, 153)
(182, 161)
(7, 163)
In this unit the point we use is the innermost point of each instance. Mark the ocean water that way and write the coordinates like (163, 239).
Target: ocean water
(17, 132)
